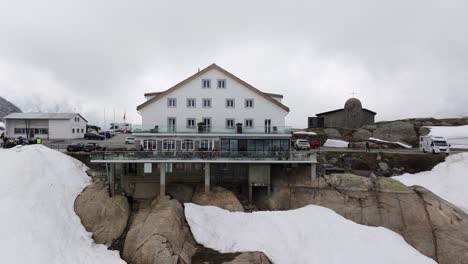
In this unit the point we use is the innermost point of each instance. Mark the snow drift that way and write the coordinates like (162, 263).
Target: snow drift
(448, 180)
(37, 221)
(404, 145)
(311, 234)
(336, 143)
(457, 136)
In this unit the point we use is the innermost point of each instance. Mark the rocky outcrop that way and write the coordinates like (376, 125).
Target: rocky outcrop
(397, 131)
(218, 196)
(434, 227)
(159, 234)
(361, 135)
(332, 133)
(250, 258)
(104, 216)
(6, 108)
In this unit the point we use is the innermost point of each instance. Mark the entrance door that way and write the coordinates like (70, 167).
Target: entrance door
(267, 125)
(171, 124)
(207, 124)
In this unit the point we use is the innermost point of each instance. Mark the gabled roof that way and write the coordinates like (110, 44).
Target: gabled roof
(45, 116)
(338, 110)
(159, 95)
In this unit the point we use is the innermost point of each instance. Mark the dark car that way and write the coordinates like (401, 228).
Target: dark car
(93, 147)
(107, 134)
(90, 135)
(75, 147)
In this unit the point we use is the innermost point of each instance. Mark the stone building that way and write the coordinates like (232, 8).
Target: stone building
(351, 116)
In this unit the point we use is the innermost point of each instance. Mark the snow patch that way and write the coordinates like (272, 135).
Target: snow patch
(336, 143)
(390, 142)
(37, 222)
(448, 180)
(311, 234)
(457, 136)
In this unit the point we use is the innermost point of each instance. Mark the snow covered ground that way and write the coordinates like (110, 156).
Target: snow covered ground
(448, 180)
(457, 136)
(311, 234)
(37, 221)
(336, 143)
(391, 142)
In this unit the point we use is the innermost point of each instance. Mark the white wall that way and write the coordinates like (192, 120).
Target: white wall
(158, 112)
(10, 126)
(62, 129)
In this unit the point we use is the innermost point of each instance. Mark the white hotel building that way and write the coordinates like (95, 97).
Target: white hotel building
(211, 126)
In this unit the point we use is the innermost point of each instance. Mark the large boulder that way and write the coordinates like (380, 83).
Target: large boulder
(361, 135)
(159, 234)
(218, 196)
(333, 133)
(250, 258)
(397, 131)
(104, 216)
(433, 226)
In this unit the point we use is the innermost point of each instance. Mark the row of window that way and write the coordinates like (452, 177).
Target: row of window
(77, 130)
(191, 122)
(206, 103)
(37, 131)
(77, 119)
(170, 144)
(221, 83)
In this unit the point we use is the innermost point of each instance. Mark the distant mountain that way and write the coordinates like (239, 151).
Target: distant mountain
(6, 108)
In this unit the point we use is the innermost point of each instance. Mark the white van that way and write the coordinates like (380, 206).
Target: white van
(130, 140)
(434, 145)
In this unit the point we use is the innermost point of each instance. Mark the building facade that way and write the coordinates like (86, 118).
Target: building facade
(45, 125)
(211, 127)
(351, 116)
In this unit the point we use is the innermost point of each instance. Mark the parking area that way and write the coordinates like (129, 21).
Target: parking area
(115, 142)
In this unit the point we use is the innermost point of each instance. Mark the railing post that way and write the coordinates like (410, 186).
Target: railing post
(162, 179)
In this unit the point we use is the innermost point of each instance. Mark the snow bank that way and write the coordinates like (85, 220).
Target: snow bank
(311, 234)
(335, 143)
(448, 180)
(37, 222)
(306, 133)
(457, 136)
(390, 142)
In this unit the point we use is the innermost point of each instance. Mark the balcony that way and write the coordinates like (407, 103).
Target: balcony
(204, 156)
(202, 129)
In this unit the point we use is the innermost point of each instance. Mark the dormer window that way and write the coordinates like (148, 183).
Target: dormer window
(221, 83)
(206, 83)
(171, 102)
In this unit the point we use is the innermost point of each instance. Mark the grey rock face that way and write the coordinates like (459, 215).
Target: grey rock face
(106, 217)
(218, 196)
(6, 108)
(361, 135)
(159, 234)
(332, 133)
(397, 131)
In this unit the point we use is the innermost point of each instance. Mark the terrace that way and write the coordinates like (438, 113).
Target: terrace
(210, 130)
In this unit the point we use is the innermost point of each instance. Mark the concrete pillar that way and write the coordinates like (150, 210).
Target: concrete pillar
(207, 177)
(313, 172)
(111, 179)
(162, 179)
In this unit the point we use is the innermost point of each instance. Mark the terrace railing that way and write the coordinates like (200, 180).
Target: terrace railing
(204, 155)
(202, 129)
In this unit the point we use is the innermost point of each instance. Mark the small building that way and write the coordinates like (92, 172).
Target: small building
(351, 116)
(45, 125)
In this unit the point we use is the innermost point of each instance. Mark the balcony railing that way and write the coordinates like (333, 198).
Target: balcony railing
(210, 130)
(205, 155)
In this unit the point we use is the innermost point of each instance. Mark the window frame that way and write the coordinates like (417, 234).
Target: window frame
(248, 100)
(233, 103)
(207, 81)
(183, 145)
(194, 102)
(233, 123)
(218, 81)
(207, 100)
(166, 147)
(194, 123)
(251, 120)
(169, 102)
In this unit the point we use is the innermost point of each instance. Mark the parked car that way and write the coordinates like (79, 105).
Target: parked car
(301, 144)
(75, 147)
(93, 147)
(130, 140)
(90, 135)
(107, 134)
(314, 144)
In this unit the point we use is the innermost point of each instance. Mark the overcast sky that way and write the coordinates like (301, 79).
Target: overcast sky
(402, 58)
